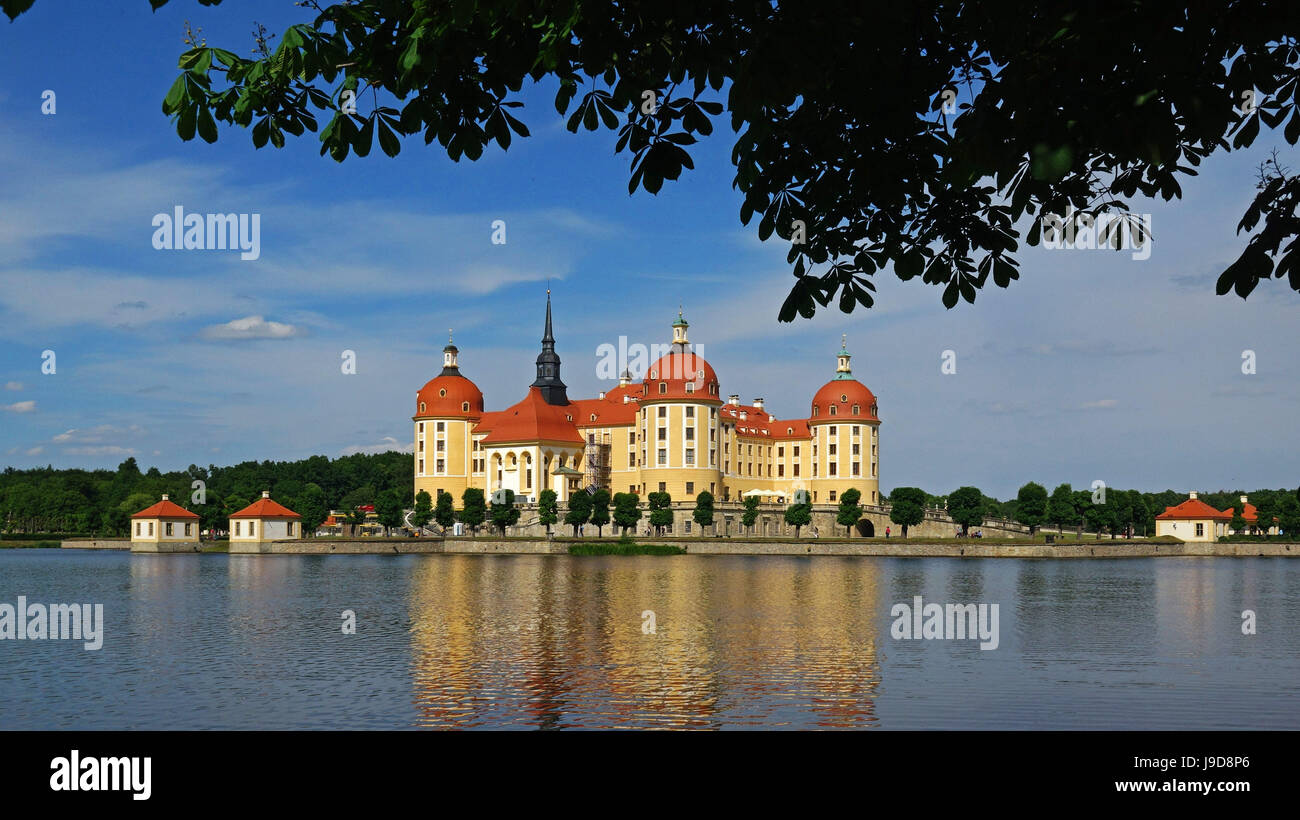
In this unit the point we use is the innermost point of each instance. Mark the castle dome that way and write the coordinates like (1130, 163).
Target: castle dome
(449, 394)
(680, 373)
(843, 396)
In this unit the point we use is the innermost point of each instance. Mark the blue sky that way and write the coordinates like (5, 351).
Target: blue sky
(1093, 366)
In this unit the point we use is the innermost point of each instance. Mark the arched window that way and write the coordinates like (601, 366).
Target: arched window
(421, 407)
(832, 409)
(464, 406)
(442, 393)
(814, 410)
(855, 409)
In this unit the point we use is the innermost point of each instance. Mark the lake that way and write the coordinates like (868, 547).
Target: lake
(558, 642)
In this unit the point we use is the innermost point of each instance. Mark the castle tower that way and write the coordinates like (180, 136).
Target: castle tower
(548, 365)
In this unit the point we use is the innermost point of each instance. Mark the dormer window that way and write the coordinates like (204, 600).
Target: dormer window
(442, 393)
(464, 406)
(814, 410)
(855, 409)
(832, 408)
(789, 431)
(593, 416)
(663, 388)
(421, 407)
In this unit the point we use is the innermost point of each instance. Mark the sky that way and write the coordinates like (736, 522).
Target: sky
(1094, 366)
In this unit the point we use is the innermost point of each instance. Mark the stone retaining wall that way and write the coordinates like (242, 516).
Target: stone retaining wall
(97, 544)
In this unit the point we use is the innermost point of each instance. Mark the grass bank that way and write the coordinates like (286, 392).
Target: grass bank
(623, 548)
(18, 545)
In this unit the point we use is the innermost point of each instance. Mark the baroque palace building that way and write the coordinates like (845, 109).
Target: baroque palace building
(670, 432)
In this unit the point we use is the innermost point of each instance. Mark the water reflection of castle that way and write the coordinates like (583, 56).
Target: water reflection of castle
(542, 642)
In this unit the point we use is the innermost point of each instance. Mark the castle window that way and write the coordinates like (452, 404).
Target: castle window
(663, 388)
(832, 409)
(814, 410)
(844, 397)
(442, 392)
(654, 374)
(832, 495)
(855, 409)
(464, 407)
(690, 411)
(440, 466)
(421, 407)
(663, 412)
(593, 416)
(442, 427)
(690, 387)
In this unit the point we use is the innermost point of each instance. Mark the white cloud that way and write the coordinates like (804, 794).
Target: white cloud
(1099, 404)
(19, 407)
(251, 327)
(34, 451)
(13, 385)
(105, 450)
(386, 444)
(97, 435)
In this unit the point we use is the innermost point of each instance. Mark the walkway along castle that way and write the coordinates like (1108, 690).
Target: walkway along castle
(671, 432)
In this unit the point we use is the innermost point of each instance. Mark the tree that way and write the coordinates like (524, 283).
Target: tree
(1141, 512)
(850, 510)
(907, 507)
(798, 516)
(1265, 512)
(548, 509)
(750, 515)
(600, 510)
(1031, 505)
(505, 514)
(356, 517)
(966, 508)
(1082, 507)
(473, 509)
(1060, 507)
(579, 510)
(627, 510)
(987, 118)
(313, 509)
(423, 511)
(703, 514)
(388, 509)
(661, 511)
(1238, 522)
(444, 514)
(1288, 516)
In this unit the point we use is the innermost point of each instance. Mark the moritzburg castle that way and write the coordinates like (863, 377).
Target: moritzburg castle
(670, 432)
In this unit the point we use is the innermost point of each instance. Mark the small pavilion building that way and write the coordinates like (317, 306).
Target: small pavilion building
(1253, 527)
(255, 527)
(165, 527)
(1193, 520)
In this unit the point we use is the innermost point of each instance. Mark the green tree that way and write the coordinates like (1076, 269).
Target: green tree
(1288, 516)
(579, 510)
(548, 509)
(1141, 513)
(423, 511)
(600, 510)
(798, 516)
(627, 510)
(473, 509)
(444, 514)
(1265, 512)
(966, 508)
(987, 118)
(907, 507)
(850, 510)
(703, 513)
(356, 517)
(1082, 507)
(1238, 522)
(505, 514)
(313, 509)
(750, 515)
(661, 511)
(1031, 505)
(388, 509)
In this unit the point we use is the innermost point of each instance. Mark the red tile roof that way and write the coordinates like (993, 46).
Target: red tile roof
(165, 509)
(532, 419)
(844, 394)
(446, 396)
(265, 508)
(1192, 508)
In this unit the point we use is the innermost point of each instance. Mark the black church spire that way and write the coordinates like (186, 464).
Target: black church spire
(548, 365)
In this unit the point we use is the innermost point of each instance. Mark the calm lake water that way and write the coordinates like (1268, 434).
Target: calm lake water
(528, 642)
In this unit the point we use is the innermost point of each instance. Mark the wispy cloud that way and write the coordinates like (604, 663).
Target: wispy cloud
(388, 443)
(19, 407)
(252, 327)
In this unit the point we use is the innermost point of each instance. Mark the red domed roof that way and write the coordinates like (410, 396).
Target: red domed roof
(843, 395)
(447, 396)
(675, 371)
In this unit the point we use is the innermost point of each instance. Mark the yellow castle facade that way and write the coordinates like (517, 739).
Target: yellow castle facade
(672, 432)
